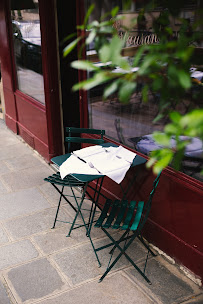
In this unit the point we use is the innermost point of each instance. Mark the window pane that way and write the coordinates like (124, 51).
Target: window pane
(132, 124)
(27, 49)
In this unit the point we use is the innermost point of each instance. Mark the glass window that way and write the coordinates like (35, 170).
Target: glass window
(27, 48)
(132, 124)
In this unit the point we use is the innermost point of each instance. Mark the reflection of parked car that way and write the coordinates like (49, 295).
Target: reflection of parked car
(27, 45)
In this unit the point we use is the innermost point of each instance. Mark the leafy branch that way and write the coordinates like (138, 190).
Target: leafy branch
(162, 69)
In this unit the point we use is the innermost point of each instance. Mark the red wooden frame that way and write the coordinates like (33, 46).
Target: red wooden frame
(39, 125)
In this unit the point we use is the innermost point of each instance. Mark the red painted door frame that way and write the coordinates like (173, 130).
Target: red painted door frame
(40, 126)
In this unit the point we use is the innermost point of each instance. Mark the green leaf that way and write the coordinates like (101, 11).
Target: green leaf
(164, 161)
(112, 52)
(162, 139)
(91, 37)
(126, 90)
(184, 79)
(149, 60)
(178, 159)
(110, 89)
(84, 65)
(90, 83)
(157, 83)
(71, 46)
(93, 25)
(107, 30)
(172, 129)
(138, 55)
(175, 117)
(105, 53)
(116, 46)
(69, 37)
(172, 72)
(151, 162)
(194, 118)
(158, 117)
(89, 11)
(145, 93)
(114, 11)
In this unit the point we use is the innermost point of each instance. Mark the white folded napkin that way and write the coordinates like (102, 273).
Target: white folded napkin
(86, 152)
(123, 153)
(75, 165)
(113, 162)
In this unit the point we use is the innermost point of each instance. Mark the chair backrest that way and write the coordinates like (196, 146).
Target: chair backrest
(71, 138)
(124, 215)
(147, 206)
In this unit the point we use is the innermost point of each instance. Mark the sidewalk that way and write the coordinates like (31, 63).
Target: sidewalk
(41, 265)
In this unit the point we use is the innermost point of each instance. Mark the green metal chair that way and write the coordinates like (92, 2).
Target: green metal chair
(71, 181)
(129, 217)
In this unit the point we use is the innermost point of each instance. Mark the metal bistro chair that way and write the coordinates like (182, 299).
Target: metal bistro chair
(72, 182)
(129, 217)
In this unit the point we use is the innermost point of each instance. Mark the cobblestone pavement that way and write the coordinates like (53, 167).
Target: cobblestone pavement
(41, 265)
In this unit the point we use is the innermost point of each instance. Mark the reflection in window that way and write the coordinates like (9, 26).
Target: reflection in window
(132, 124)
(27, 48)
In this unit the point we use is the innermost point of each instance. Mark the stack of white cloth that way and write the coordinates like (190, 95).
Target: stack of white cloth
(113, 162)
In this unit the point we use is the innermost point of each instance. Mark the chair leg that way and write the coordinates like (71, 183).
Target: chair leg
(62, 195)
(58, 207)
(119, 256)
(119, 241)
(79, 209)
(145, 245)
(95, 202)
(86, 225)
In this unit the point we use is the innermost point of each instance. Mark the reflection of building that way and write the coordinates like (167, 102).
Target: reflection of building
(39, 105)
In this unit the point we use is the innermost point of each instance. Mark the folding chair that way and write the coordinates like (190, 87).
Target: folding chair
(70, 181)
(130, 217)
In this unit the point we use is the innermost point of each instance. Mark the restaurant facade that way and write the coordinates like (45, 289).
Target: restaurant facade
(39, 104)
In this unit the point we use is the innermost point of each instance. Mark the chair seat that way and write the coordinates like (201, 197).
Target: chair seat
(69, 180)
(120, 215)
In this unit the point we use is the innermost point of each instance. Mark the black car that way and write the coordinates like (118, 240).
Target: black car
(27, 45)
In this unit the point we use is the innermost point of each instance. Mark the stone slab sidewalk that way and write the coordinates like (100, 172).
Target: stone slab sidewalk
(41, 265)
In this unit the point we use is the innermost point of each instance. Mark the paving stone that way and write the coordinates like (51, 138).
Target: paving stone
(86, 206)
(113, 290)
(23, 162)
(4, 298)
(12, 151)
(3, 168)
(3, 189)
(51, 193)
(21, 203)
(16, 253)
(53, 196)
(48, 190)
(2, 125)
(34, 223)
(56, 239)
(8, 141)
(3, 237)
(79, 263)
(35, 280)
(26, 178)
(167, 285)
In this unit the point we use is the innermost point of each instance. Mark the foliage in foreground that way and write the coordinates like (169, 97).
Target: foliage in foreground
(162, 69)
